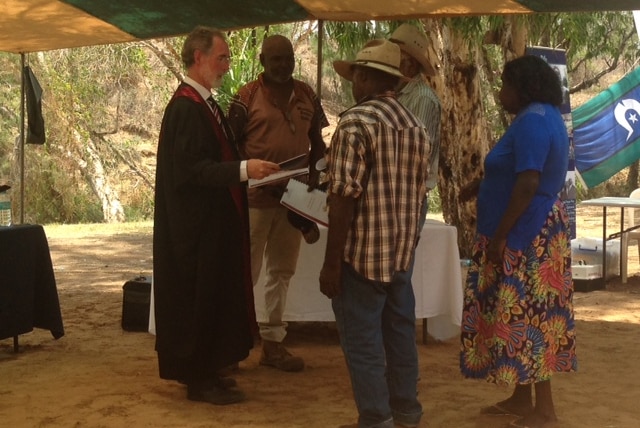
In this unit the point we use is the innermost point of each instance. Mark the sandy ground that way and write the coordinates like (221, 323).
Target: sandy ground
(97, 375)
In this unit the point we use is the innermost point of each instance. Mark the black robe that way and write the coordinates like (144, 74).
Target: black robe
(203, 301)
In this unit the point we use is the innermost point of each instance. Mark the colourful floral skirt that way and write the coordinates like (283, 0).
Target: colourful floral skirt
(517, 322)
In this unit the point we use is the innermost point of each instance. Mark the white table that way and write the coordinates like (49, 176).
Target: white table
(437, 283)
(614, 202)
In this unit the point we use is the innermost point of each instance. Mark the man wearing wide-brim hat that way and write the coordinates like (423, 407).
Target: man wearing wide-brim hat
(417, 96)
(378, 166)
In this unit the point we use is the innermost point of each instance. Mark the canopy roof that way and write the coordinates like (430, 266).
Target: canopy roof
(40, 25)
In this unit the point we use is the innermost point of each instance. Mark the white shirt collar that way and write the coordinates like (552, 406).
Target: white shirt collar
(204, 92)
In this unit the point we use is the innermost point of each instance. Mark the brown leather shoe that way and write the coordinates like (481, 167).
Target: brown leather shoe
(215, 395)
(274, 354)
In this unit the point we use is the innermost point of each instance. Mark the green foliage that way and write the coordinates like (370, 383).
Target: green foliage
(343, 40)
(115, 95)
(245, 46)
(139, 205)
(586, 36)
(53, 195)
(435, 202)
(473, 28)
(92, 81)
(349, 37)
(87, 92)
(9, 111)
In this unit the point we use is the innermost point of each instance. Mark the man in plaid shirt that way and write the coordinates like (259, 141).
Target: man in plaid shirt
(378, 167)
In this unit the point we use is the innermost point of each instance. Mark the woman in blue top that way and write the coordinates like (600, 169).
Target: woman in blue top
(518, 325)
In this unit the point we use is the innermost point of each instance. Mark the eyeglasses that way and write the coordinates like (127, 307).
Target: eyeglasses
(224, 58)
(287, 116)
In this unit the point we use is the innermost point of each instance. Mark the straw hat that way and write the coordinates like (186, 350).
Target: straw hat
(379, 54)
(412, 41)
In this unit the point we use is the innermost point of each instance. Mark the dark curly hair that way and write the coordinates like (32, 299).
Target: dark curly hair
(533, 79)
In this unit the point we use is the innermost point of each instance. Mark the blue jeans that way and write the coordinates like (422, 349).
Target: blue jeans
(377, 327)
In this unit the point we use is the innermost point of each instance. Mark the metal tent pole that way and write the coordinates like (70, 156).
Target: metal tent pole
(22, 134)
(320, 59)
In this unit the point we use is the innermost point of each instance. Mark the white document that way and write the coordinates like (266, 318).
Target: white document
(278, 176)
(312, 205)
(289, 168)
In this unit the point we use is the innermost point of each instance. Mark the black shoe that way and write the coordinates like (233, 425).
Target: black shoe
(221, 381)
(229, 370)
(225, 382)
(215, 395)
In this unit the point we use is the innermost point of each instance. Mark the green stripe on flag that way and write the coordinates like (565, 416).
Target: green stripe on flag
(613, 165)
(605, 99)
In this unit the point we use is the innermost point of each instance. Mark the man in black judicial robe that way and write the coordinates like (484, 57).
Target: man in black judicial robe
(203, 298)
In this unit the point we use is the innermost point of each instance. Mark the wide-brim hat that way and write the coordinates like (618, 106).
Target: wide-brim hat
(412, 41)
(379, 54)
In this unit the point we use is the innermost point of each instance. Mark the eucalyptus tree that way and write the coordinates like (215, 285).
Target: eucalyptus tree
(455, 51)
(466, 84)
(9, 113)
(596, 44)
(103, 104)
(91, 95)
(469, 54)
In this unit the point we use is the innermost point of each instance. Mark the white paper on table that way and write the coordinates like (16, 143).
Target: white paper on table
(311, 205)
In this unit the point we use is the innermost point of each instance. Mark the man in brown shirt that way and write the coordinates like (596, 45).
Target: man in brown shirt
(276, 118)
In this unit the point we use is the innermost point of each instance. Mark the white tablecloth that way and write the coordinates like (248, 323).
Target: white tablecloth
(437, 282)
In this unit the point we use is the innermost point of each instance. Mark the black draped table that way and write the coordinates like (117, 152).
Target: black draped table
(28, 293)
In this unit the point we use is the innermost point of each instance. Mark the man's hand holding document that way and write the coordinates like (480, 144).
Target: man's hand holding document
(289, 168)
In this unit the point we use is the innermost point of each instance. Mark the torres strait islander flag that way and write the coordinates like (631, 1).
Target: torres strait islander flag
(606, 130)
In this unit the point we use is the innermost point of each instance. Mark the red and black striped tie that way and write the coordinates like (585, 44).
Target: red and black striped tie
(216, 112)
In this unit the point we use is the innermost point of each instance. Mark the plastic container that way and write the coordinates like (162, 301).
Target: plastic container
(5, 209)
(588, 251)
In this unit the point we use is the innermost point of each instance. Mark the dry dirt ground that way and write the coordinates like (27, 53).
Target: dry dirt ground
(98, 375)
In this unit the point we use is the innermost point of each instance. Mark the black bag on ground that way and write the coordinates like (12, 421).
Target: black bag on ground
(135, 304)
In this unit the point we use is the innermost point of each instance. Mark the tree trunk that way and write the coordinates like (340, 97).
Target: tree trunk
(466, 133)
(514, 37)
(83, 151)
(93, 170)
(632, 178)
(465, 136)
